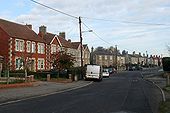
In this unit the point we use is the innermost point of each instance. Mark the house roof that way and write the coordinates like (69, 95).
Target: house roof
(75, 45)
(64, 42)
(19, 31)
(85, 45)
(103, 53)
(48, 37)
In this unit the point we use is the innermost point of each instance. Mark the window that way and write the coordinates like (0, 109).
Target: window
(53, 48)
(100, 57)
(40, 64)
(111, 57)
(41, 48)
(33, 47)
(21, 45)
(105, 57)
(28, 46)
(17, 45)
(85, 55)
(18, 63)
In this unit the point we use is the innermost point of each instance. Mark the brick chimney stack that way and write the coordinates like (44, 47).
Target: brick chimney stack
(62, 34)
(42, 30)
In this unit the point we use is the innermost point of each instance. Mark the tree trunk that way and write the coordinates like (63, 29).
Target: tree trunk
(25, 75)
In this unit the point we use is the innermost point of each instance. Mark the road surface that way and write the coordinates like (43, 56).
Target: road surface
(125, 92)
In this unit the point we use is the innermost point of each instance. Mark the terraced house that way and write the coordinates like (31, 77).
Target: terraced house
(21, 46)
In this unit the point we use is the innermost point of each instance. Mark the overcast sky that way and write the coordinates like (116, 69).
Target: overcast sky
(133, 25)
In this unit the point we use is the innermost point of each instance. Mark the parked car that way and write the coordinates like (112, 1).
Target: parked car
(112, 70)
(106, 73)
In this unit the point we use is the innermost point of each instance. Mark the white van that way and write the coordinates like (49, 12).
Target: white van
(94, 72)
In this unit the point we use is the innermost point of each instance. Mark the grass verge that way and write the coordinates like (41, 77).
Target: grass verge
(165, 107)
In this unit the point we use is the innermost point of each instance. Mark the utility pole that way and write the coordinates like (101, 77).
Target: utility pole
(81, 46)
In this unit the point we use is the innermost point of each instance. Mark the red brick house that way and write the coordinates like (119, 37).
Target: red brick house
(52, 46)
(19, 42)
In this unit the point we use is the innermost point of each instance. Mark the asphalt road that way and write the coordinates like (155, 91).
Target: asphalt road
(122, 93)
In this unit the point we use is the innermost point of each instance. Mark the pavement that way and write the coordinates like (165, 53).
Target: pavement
(160, 82)
(39, 89)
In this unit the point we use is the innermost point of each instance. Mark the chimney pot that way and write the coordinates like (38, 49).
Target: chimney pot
(42, 30)
(62, 34)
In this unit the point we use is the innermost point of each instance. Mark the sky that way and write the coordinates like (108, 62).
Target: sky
(133, 25)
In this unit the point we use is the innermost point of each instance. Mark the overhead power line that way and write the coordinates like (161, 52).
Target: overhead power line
(128, 22)
(96, 34)
(54, 9)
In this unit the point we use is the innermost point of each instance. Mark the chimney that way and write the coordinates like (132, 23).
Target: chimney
(42, 30)
(69, 40)
(133, 52)
(62, 34)
(92, 49)
(29, 26)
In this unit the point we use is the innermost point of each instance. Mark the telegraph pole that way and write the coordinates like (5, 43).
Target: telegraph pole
(81, 45)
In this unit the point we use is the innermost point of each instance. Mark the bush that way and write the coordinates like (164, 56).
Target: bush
(41, 75)
(76, 71)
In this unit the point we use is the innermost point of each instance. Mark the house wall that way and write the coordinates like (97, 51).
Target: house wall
(86, 57)
(105, 60)
(4, 45)
(27, 55)
(49, 54)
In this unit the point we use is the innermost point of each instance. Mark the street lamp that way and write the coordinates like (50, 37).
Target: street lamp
(87, 31)
(82, 46)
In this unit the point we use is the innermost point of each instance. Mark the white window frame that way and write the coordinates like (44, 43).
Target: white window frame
(33, 47)
(53, 48)
(21, 45)
(41, 64)
(41, 48)
(17, 45)
(29, 46)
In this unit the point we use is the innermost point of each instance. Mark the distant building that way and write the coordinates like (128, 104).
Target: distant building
(104, 58)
